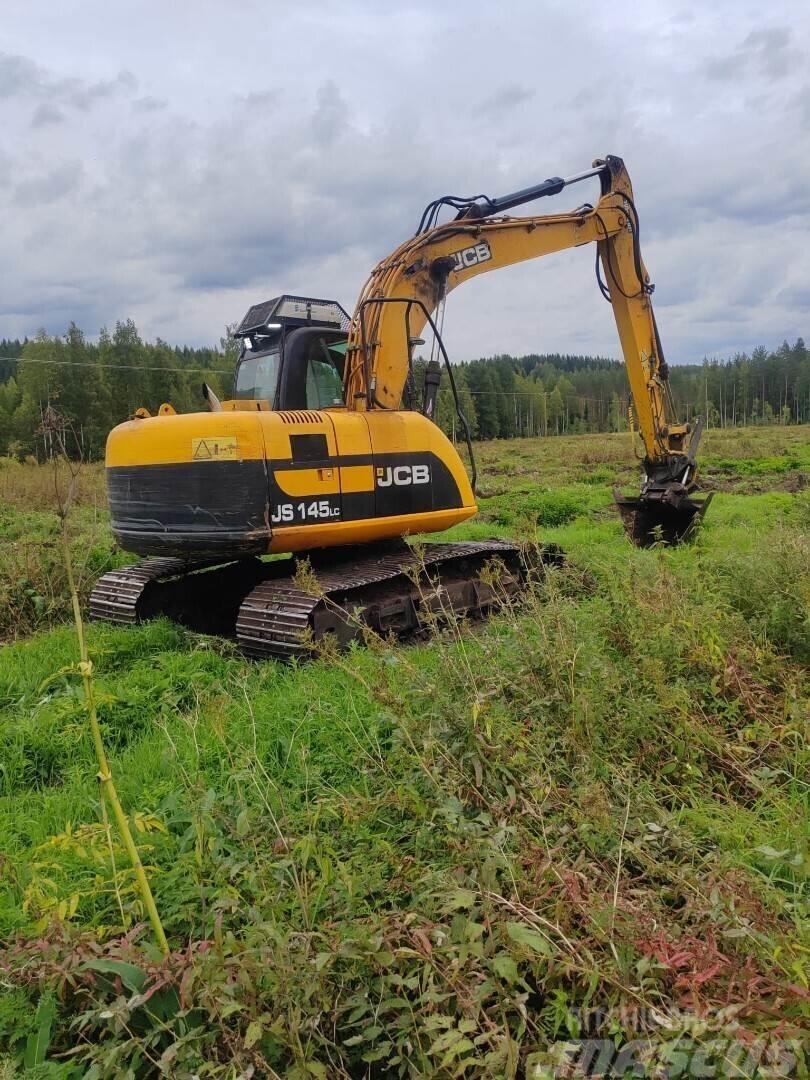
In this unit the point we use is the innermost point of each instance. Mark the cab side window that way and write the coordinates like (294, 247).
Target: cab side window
(324, 381)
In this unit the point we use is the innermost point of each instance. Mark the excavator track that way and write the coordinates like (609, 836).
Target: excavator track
(117, 593)
(201, 596)
(400, 593)
(277, 612)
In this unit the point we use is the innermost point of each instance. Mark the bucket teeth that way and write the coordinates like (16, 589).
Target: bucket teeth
(649, 522)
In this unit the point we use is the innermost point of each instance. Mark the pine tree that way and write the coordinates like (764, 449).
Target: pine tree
(482, 388)
(556, 410)
(126, 378)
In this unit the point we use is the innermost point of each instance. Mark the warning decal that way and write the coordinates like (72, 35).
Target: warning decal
(218, 448)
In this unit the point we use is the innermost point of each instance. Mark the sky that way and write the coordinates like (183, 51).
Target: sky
(175, 163)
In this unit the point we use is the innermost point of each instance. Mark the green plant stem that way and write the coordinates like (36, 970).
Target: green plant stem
(104, 775)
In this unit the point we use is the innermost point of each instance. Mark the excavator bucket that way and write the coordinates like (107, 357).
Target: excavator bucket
(649, 522)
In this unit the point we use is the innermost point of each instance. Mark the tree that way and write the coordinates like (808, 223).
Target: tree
(10, 397)
(616, 415)
(556, 410)
(24, 427)
(98, 384)
(126, 376)
(482, 388)
(446, 416)
(503, 377)
(80, 395)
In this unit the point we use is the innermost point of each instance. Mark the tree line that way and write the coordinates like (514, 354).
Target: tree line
(552, 394)
(94, 385)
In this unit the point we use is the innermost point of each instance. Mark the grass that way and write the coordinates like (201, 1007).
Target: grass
(586, 817)
(33, 584)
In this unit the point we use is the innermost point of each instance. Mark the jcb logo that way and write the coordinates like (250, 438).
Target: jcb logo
(471, 256)
(403, 475)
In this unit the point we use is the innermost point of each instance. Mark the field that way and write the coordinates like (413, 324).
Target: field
(586, 819)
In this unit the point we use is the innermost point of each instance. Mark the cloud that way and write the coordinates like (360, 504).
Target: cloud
(21, 77)
(766, 52)
(329, 120)
(149, 104)
(802, 105)
(178, 177)
(45, 115)
(506, 97)
(261, 99)
(50, 186)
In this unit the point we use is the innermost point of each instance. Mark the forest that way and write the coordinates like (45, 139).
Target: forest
(95, 384)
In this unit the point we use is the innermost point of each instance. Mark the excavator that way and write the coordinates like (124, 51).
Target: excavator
(328, 454)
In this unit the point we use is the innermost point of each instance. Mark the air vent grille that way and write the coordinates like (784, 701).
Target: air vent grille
(301, 417)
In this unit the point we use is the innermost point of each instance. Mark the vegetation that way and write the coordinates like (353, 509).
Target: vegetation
(585, 817)
(96, 385)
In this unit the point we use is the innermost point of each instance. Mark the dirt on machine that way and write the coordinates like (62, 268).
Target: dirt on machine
(325, 453)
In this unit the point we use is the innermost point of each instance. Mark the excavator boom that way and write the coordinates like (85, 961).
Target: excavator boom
(406, 287)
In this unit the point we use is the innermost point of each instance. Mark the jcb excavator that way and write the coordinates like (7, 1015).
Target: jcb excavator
(323, 448)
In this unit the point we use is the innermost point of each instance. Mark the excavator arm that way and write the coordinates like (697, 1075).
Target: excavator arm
(404, 290)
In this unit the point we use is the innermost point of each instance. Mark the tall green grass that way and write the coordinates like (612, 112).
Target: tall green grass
(431, 860)
(413, 841)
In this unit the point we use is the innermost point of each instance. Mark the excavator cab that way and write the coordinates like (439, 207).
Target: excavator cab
(291, 356)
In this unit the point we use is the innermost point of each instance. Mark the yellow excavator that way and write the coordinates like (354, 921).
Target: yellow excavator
(325, 449)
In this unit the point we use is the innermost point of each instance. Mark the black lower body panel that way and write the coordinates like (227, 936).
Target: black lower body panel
(193, 510)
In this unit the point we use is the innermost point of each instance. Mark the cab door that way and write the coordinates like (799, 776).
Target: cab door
(356, 465)
(302, 469)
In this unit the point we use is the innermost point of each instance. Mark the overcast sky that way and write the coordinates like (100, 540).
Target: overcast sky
(177, 162)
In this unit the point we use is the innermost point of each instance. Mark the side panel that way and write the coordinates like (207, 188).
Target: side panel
(416, 469)
(227, 485)
(356, 465)
(412, 480)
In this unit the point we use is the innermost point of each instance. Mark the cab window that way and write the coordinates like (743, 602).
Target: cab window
(324, 378)
(257, 376)
(324, 384)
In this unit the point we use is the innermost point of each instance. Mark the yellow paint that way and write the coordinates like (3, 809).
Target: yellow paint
(356, 478)
(164, 440)
(306, 537)
(352, 432)
(306, 483)
(246, 405)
